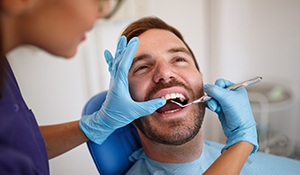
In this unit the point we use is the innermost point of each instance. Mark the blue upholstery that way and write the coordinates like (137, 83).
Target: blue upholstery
(111, 157)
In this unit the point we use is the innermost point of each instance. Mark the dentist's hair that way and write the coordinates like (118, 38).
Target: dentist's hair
(142, 25)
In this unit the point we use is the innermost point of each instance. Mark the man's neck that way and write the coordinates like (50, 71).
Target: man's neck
(173, 153)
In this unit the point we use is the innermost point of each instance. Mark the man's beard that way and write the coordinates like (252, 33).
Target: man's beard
(181, 131)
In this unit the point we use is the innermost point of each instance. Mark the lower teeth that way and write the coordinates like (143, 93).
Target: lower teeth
(171, 111)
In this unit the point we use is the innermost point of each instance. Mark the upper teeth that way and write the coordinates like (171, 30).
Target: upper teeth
(174, 96)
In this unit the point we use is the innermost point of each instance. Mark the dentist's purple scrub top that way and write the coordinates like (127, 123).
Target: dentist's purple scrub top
(22, 148)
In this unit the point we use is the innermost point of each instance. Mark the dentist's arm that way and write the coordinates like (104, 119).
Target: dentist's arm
(61, 138)
(232, 160)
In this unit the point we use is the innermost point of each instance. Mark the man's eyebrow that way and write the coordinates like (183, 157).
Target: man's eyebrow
(179, 49)
(141, 57)
(172, 50)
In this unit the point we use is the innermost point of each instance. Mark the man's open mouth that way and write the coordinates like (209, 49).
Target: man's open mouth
(171, 107)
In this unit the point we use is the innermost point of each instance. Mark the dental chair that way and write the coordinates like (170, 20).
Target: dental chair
(111, 157)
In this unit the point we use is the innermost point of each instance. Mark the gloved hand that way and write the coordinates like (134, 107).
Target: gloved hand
(118, 108)
(234, 112)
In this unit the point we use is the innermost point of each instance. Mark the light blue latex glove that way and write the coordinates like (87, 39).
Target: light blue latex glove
(118, 108)
(234, 112)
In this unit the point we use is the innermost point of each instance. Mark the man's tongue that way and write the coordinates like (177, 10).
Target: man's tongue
(168, 107)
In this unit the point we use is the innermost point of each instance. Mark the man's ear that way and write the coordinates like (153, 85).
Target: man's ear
(15, 7)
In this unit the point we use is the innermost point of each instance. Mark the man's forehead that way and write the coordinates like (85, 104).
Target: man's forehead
(158, 40)
(150, 55)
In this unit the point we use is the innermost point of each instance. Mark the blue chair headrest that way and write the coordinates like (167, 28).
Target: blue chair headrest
(111, 157)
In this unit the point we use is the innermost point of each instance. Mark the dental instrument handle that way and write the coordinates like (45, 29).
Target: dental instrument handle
(245, 83)
(232, 88)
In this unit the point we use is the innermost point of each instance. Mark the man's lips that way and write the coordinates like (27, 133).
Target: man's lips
(83, 37)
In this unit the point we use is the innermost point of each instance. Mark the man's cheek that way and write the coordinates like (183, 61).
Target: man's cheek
(135, 92)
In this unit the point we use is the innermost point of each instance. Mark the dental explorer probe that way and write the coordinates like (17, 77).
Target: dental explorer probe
(204, 98)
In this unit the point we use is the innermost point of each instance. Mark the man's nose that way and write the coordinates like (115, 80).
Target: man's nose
(163, 72)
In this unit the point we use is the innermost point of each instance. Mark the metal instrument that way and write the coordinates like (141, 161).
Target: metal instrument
(204, 98)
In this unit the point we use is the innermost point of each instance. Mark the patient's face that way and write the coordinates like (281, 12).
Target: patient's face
(163, 67)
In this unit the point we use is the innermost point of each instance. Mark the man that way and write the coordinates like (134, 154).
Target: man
(165, 67)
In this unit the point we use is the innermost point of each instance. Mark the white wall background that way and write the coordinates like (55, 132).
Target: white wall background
(260, 37)
(234, 39)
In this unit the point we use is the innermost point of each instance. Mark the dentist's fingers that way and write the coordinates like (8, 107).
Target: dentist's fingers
(128, 56)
